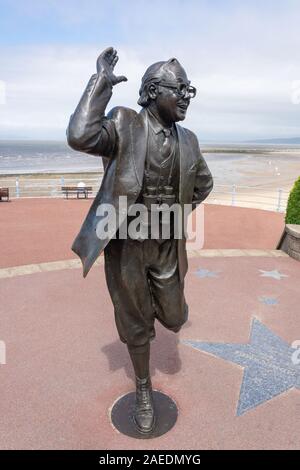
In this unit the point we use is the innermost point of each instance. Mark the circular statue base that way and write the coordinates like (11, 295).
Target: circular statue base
(165, 411)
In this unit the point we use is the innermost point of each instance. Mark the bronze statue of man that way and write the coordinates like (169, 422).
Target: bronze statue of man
(144, 154)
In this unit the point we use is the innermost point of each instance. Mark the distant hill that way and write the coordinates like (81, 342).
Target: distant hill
(289, 141)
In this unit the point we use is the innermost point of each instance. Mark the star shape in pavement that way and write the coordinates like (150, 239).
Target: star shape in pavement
(269, 300)
(202, 273)
(274, 274)
(267, 361)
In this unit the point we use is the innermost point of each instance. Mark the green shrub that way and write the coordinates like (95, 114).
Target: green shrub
(293, 206)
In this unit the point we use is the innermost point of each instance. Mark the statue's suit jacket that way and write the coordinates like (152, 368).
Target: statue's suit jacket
(121, 138)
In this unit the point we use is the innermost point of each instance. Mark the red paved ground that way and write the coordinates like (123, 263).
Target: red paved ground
(40, 230)
(66, 366)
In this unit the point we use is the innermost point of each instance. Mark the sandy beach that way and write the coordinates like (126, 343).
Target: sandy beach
(246, 176)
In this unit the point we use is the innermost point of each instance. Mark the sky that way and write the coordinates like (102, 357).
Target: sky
(243, 58)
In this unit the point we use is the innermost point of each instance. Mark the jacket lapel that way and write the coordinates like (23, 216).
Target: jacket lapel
(139, 142)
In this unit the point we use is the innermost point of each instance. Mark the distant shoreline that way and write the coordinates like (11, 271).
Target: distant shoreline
(51, 174)
(54, 173)
(248, 150)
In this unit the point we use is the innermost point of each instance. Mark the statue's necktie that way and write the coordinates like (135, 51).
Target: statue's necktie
(166, 149)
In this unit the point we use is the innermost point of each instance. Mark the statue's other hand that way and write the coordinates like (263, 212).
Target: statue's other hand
(106, 63)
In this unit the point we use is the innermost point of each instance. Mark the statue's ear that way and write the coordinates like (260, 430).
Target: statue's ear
(152, 91)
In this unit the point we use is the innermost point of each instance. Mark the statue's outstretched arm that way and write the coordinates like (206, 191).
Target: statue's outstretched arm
(89, 130)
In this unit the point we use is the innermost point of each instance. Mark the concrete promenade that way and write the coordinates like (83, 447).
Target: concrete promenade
(232, 369)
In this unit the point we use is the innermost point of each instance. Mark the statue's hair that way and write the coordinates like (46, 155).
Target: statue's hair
(152, 75)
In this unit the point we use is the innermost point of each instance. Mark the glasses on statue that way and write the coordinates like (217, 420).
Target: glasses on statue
(181, 89)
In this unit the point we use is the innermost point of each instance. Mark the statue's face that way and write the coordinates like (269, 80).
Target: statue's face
(173, 98)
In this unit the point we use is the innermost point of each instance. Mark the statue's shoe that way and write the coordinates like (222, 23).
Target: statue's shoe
(144, 416)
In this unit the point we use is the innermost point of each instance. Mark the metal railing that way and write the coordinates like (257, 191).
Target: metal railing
(24, 186)
(260, 197)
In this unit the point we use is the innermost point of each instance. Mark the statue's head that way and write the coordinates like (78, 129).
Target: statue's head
(166, 89)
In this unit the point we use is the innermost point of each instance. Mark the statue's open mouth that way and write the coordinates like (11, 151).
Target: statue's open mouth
(183, 106)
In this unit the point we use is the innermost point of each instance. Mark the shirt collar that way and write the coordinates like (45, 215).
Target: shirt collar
(156, 125)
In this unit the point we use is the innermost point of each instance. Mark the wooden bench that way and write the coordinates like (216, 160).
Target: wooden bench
(4, 192)
(85, 191)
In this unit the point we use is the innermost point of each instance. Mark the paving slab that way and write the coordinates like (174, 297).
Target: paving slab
(230, 369)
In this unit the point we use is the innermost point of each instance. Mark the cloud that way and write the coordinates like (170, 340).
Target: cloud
(243, 59)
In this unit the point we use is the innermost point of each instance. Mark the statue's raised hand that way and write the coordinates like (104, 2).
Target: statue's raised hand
(106, 63)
